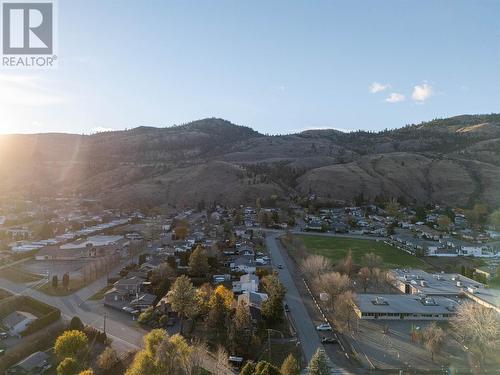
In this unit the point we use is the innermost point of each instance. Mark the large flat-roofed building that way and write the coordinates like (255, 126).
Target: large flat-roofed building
(486, 297)
(416, 281)
(408, 307)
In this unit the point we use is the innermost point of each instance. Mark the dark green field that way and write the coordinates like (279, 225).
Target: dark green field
(336, 248)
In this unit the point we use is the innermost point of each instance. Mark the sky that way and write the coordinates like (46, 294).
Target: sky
(276, 66)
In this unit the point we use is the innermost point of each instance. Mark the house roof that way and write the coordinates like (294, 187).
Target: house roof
(244, 261)
(33, 361)
(253, 298)
(17, 317)
(134, 280)
(248, 277)
(145, 298)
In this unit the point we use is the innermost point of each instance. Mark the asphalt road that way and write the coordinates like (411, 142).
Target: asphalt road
(306, 331)
(126, 334)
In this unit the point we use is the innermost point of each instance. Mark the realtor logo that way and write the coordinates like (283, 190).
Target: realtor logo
(27, 28)
(28, 33)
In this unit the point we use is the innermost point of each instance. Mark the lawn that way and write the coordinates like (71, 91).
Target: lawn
(60, 291)
(18, 275)
(100, 294)
(336, 248)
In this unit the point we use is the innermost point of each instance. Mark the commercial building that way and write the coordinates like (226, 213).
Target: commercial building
(408, 307)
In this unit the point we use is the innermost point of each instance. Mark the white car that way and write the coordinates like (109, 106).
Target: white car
(324, 327)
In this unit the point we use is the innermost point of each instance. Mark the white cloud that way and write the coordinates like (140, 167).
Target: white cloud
(395, 97)
(376, 87)
(422, 92)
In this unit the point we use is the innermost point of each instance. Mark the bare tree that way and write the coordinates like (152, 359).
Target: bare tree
(371, 260)
(222, 359)
(198, 355)
(433, 338)
(479, 327)
(332, 283)
(378, 276)
(364, 275)
(345, 316)
(346, 265)
(315, 265)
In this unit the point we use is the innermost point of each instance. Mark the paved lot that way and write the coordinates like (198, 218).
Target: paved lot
(394, 350)
(54, 267)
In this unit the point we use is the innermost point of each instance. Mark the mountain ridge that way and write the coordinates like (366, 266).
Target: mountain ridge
(452, 161)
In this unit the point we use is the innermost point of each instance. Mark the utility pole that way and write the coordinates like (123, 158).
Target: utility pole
(269, 344)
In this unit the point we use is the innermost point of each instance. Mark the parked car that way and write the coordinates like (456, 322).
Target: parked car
(3, 335)
(324, 327)
(287, 309)
(280, 266)
(328, 340)
(2, 352)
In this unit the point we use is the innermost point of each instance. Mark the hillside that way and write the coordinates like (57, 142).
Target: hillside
(453, 161)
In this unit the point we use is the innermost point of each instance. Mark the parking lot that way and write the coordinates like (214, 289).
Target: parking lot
(54, 267)
(395, 350)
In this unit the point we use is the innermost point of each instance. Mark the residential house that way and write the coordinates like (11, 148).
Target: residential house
(254, 301)
(18, 321)
(244, 264)
(247, 283)
(36, 364)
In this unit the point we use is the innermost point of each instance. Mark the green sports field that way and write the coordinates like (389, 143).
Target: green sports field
(336, 248)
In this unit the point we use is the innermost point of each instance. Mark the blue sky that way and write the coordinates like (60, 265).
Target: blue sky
(277, 66)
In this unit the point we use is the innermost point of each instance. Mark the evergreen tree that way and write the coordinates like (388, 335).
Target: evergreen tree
(319, 364)
(290, 366)
(248, 369)
(198, 262)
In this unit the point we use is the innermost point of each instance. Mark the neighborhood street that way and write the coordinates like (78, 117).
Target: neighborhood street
(306, 330)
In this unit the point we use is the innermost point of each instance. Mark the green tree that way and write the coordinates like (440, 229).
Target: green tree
(217, 320)
(198, 262)
(494, 219)
(71, 344)
(477, 215)
(266, 368)
(272, 308)
(319, 364)
(146, 315)
(76, 324)
(242, 328)
(68, 366)
(248, 369)
(393, 209)
(163, 354)
(444, 222)
(182, 297)
(290, 366)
